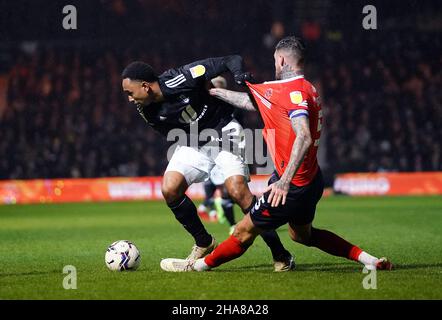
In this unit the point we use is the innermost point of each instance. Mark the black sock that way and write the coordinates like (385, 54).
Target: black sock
(227, 205)
(271, 238)
(209, 188)
(185, 212)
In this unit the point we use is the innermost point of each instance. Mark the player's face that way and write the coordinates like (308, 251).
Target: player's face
(138, 92)
(279, 61)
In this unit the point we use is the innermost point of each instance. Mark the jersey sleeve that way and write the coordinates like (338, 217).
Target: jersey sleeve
(296, 103)
(213, 67)
(196, 74)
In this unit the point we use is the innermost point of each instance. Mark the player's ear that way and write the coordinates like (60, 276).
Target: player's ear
(279, 59)
(282, 60)
(145, 85)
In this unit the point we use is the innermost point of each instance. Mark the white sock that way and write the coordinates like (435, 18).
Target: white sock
(367, 259)
(200, 265)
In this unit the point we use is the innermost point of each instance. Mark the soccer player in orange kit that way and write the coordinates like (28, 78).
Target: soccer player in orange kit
(291, 111)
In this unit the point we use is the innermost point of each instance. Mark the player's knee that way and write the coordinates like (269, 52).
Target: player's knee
(242, 197)
(292, 234)
(245, 238)
(244, 235)
(171, 193)
(239, 191)
(235, 194)
(300, 238)
(305, 240)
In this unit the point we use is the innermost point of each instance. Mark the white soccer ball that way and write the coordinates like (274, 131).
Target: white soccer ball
(122, 255)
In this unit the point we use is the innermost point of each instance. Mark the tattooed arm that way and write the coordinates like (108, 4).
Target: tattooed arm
(302, 143)
(240, 100)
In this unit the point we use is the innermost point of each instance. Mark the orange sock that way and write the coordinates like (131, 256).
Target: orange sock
(333, 244)
(229, 249)
(354, 253)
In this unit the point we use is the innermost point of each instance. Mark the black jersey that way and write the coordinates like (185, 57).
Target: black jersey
(187, 101)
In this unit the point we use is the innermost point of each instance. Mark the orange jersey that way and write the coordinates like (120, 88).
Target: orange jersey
(278, 102)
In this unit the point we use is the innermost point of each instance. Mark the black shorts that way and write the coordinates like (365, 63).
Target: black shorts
(299, 208)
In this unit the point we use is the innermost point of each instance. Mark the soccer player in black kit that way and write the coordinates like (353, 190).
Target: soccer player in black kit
(179, 99)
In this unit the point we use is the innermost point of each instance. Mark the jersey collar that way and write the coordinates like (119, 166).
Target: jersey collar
(286, 80)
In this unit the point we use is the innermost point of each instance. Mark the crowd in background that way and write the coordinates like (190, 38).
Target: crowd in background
(66, 115)
(383, 106)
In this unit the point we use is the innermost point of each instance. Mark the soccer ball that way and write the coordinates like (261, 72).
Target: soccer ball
(122, 255)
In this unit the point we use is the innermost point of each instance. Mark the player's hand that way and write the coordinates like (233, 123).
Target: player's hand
(278, 193)
(241, 78)
(217, 92)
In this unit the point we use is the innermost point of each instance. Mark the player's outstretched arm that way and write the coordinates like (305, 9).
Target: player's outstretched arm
(213, 67)
(239, 100)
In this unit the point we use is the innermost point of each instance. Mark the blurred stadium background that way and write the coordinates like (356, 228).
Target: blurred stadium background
(63, 113)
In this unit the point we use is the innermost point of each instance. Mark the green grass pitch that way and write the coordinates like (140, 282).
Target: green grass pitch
(37, 241)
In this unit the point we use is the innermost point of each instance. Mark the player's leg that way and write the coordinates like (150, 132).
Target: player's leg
(242, 238)
(236, 175)
(240, 193)
(209, 191)
(187, 166)
(173, 188)
(238, 190)
(217, 178)
(323, 240)
(205, 209)
(335, 245)
(231, 248)
(245, 233)
(223, 202)
(301, 230)
(218, 203)
(227, 206)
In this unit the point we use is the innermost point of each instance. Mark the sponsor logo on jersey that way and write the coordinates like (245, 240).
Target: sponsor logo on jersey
(296, 97)
(188, 115)
(198, 71)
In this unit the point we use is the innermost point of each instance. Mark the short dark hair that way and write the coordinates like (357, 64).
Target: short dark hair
(294, 46)
(139, 70)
